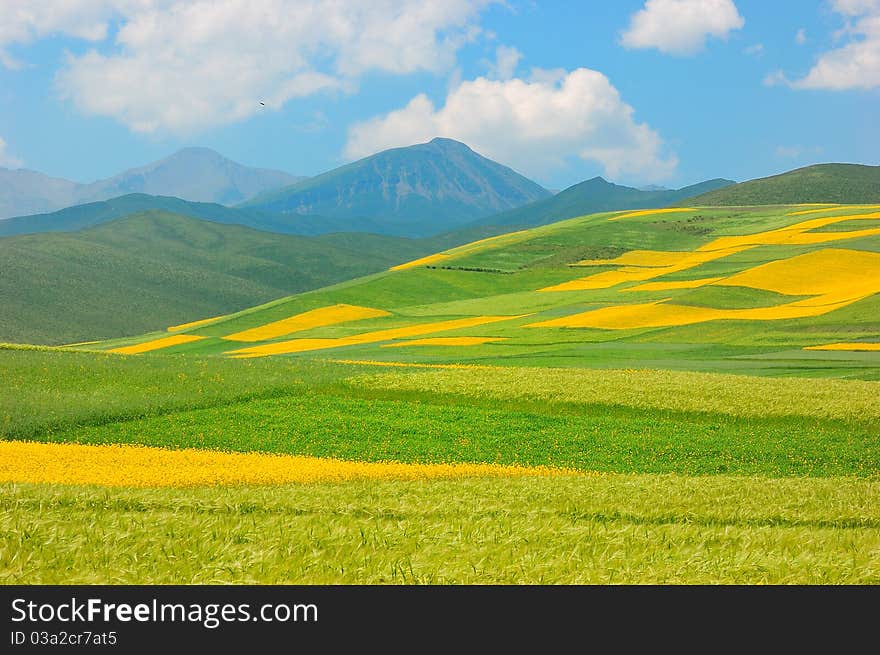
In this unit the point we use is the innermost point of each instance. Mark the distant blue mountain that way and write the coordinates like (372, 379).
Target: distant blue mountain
(196, 174)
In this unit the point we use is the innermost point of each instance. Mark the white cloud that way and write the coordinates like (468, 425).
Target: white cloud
(800, 36)
(855, 7)
(534, 126)
(681, 27)
(6, 159)
(25, 21)
(855, 65)
(506, 61)
(755, 50)
(185, 65)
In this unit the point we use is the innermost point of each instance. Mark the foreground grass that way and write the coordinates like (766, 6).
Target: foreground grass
(615, 421)
(49, 390)
(589, 529)
(420, 427)
(735, 395)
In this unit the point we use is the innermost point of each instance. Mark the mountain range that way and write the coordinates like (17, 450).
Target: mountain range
(139, 261)
(417, 191)
(195, 174)
(593, 196)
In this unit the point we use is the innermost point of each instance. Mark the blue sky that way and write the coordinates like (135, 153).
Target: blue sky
(666, 92)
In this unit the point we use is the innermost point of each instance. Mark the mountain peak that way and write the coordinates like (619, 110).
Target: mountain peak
(447, 143)
(415, 190)
(196, 151)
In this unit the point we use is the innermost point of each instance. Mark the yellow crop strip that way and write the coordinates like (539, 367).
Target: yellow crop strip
(422, 261)
(831, 207)
(332, 315)
(850, 347)
(466, 249)
(444, 341)
(832, 272)
(194, 324)
(834, 279)
(142, 466)
(643, 265)
(306, 345)
(673, 286)
(649, 212)
(680, 261)
(156, 344)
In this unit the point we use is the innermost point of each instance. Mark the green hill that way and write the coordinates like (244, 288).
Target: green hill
(95, 213)
(835, 183)
(414, 191)
(750, 290)
(156, 269)
(592, 196)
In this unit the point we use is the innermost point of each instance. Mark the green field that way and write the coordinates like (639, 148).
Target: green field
(714, 451)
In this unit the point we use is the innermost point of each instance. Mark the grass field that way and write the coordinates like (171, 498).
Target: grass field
(590, 529)
(730, 449)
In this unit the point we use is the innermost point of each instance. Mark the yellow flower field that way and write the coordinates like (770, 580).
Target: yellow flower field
(141, 466)
(156, 344)
(466, 249)
(643, 265)
(673, 286)
(649, 212)
(322, 317)
(640, 265)
(422, 261)
(305, 345)
(850, 347)
(835, 274)
(846, 277)
(193, 324)
(826, 207)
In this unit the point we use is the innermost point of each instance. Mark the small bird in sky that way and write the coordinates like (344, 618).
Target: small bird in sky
(262, 103)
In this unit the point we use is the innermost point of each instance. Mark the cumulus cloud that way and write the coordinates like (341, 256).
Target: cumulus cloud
(534, 125)
(856, 64)
(6, 159)
(681, 27)
(183, 65)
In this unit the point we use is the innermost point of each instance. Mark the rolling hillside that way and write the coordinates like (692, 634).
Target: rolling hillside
(157, 269)
(196, 174)
(414, 191)
(592, 196)
(792, 290)
(834, 183)
(94, 213)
